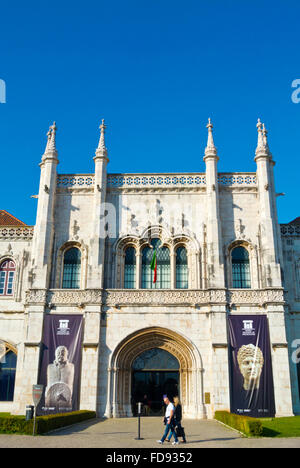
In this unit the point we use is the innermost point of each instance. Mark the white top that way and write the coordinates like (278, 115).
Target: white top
(170, 408)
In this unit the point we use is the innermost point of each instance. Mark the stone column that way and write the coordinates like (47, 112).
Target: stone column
(90, 358)
(28, 367)
(280, 362)
(215, 259)
(267, 212)
(96, 259)
(42, 242)
(221, 390)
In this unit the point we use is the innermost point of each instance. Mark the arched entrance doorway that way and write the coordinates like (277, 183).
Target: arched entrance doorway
(120, 370)
(155, 373)
(8, 365)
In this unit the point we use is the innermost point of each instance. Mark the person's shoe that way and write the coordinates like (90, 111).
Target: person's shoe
(175, 443)
(159, 442)
(167, 440)
(184, 441)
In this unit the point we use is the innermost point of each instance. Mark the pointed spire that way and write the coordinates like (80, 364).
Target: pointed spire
(210, 149)
(53, 129)
(265, 138)
(101, 151)
(262, 140)
(51, 150)
(48, 140)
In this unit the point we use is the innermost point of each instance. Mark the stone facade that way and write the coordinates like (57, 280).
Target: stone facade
(102, 214)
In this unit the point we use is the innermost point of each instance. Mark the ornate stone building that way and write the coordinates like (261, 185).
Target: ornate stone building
(220, 251)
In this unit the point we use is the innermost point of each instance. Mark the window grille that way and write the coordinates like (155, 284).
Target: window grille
(72, 269)
(181, 268)
(130, 268)
(240, 268)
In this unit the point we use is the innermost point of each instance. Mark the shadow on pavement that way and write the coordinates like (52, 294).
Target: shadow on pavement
(75, 428)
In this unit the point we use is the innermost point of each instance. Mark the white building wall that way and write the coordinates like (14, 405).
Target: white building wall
(211, 212)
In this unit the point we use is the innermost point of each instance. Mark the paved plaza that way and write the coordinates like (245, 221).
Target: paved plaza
(121, 433)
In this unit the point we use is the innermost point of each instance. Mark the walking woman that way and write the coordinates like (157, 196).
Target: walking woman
(177, 420)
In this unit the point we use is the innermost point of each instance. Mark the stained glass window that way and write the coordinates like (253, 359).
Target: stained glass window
(7, 275)
(155, 359)
(181, 268)
(240, 268)
(72, 269)
(8, 364)
(163, 267)
(130, 269)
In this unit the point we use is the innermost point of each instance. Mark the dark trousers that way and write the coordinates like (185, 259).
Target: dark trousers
(180, 430)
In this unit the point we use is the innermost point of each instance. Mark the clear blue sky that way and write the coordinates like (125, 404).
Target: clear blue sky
(155, 70)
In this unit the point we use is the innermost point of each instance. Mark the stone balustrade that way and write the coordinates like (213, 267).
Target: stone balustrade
(148, 181)
(15, 233)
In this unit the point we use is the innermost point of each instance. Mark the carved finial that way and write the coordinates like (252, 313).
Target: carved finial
(51, 142)
(262, 141)
(102, 150)
(265, 139)
(102, 135)
(53, 129)
(210, 148)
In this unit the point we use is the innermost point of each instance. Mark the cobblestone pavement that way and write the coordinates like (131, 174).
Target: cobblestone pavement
(121, 433)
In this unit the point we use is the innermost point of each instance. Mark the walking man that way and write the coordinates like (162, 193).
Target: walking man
(169, 421)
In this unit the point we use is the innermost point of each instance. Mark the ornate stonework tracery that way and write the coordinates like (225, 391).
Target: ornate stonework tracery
(136, 344)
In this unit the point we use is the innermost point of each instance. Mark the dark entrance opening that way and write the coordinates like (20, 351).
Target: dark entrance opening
(155, 373)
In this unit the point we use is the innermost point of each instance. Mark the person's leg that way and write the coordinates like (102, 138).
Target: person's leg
(173, 433)
(181, 432)
(168, 428)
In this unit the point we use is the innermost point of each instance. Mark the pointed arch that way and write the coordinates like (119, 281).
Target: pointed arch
(242, 272)
(81, 263)
(122, 358)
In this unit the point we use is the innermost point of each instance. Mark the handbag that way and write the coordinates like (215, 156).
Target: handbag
(179, 431)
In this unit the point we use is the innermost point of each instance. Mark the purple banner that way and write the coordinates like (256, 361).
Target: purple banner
(252, 390)
(60, 364)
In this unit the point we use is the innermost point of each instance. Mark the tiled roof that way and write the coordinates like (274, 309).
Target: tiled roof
(6, 219)
(296, 221)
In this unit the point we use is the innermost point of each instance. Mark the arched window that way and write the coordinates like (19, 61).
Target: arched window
(240, 268)
(7, 275)
(8, 364)
(72, 269)
(163, 277)
(181, 268)
(130, 268)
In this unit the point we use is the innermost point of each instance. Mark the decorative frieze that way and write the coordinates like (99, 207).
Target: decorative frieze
(259, 297)
(147, 297)
(162, 297)
(64, 297)
(36, 296)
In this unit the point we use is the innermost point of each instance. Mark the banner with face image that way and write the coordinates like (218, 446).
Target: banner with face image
(60, 364)
(252, 390)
